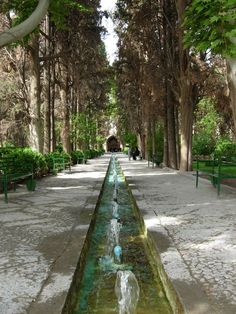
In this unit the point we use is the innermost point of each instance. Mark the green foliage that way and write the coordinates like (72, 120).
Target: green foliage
(84, 130)
(202, 145)
(58, 153)
(207, 119)
(92, 153)
(225, 147)
(160, 139)
(59, 11)
(130, 139)
(211, 24)
(111, 108)
(205, 128)
(77, 155)
(125, 150)
(159, 142)
(24, 158)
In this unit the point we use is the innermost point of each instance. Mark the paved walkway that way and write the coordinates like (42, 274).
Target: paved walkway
(195, 233)
(42, 234)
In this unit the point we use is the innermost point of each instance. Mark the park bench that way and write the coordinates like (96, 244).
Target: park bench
(60, 163)
(81, 160)
(155, 160)
(10, 172)
(216, 169)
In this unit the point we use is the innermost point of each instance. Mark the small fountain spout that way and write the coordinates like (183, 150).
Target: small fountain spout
(127, 291)
(118, 253)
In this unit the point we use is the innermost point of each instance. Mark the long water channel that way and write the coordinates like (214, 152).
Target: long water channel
(119, 275)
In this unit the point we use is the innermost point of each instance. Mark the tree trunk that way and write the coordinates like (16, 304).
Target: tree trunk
(171, 131)
(35, 125)
(166, 148)
(65, 132)
(186, 129)
(47, 97)
(231, 72)
(143, 146)
(177, 136)
(53, 129)
(185, 96)
(153, 124)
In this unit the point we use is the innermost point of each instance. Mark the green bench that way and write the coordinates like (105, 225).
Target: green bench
(11, 173)
(155, 160)
(216, 169)
(60, 163)
(81, 160)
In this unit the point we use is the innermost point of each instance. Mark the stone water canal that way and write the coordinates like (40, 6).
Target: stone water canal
(119, 273)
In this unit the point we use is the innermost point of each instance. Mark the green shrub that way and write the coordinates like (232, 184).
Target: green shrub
(24, 158)
(225, 147)
(203, 145)
(37, 159)
(76, 155)
(125, 150)
(49, 157)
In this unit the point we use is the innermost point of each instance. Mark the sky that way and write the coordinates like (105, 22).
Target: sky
(110, 38)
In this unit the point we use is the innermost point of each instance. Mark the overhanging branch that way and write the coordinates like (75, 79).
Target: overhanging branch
(18, 32)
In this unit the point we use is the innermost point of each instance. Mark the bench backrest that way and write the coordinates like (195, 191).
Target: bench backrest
(7, 164)
(10, 165)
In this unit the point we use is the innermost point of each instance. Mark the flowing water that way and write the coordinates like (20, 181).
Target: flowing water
(118, 275)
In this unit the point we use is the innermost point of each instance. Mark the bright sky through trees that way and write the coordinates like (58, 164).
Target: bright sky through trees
(110, 38)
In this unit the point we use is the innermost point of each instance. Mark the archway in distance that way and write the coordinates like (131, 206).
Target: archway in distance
(113, 145)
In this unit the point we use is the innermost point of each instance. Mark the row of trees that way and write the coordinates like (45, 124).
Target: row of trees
(175, 57)
(54, 82)
(171, 57)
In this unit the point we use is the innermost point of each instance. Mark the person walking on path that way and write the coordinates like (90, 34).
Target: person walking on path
(135, 153)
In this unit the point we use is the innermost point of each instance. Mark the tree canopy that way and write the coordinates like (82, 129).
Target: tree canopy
(211, 24)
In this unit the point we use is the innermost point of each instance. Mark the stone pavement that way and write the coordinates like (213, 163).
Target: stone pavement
(194, 231)
(42, 234)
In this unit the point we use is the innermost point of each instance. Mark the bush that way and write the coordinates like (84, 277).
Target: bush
(24, 158)
(203, 145)
(92, 153)
(225, 147)
(125, 150)
(37, 159)
(76, 155)
(49, 157)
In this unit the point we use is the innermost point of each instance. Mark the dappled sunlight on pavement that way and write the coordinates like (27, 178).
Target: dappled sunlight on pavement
(42, 234)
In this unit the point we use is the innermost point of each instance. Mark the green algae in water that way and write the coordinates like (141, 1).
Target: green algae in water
(97, 289)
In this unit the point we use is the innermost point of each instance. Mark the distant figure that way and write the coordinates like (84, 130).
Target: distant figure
(129, 153)
(136, 153)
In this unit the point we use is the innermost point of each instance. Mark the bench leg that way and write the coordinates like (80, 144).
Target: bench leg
(218, 186)
(5, 190)
(214, 181)
(30, 184)
(197, 179)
